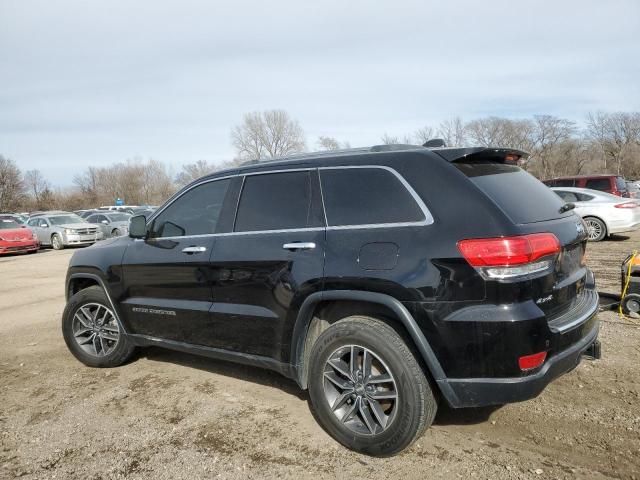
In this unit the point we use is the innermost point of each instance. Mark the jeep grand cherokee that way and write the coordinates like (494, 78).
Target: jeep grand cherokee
(384, 280)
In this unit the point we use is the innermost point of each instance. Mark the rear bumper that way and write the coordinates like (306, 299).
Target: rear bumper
(623, 226)
(477, 392)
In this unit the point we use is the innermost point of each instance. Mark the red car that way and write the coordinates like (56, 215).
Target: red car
(15, 238)
(613, 184)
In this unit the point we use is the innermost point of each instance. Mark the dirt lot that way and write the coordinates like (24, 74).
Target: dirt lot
(170, 415)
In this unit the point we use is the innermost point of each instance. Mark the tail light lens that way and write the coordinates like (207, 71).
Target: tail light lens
(529, 362)
(627, 205)
(511, 258)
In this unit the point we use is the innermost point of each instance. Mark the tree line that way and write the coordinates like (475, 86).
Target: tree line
(605, 143)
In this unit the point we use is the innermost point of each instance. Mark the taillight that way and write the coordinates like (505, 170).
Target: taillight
(529, 362)
(627, 205)
(509, 258)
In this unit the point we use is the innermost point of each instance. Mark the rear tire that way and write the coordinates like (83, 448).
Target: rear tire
(56, 242)
(596, 229)
(379, 410)
(92, 332)
(116, 232)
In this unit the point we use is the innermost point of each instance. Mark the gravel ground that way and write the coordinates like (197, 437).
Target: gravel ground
(169, 415)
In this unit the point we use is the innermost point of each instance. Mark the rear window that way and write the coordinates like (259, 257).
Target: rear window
(522, 197)
(621, 184)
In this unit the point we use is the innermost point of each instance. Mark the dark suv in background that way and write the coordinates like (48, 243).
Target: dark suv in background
(384, 280)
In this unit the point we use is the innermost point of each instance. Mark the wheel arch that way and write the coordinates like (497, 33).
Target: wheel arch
(81, 280)
(308, 327)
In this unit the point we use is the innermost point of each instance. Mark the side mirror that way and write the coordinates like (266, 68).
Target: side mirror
(104, 222)
(138, 226)
(44, 225)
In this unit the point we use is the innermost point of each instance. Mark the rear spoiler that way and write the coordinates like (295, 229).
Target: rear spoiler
(482, 154)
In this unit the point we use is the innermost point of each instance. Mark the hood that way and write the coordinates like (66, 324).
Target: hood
(77, 226)
(16, 234)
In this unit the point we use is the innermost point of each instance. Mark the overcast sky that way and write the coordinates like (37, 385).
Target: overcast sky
(96, 82)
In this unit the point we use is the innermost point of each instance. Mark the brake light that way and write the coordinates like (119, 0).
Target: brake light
(529, 362)
(627, 205)
(507, 258)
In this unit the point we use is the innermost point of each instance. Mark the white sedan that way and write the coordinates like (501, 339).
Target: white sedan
(602, 212)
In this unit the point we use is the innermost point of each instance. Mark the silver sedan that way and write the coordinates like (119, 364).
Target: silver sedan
(112, 224)
(603, 213)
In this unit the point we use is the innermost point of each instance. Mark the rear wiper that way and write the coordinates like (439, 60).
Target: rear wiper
(567, 206)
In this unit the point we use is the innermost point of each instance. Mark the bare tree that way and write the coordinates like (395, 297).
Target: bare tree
(11, 185)
(453, 132)
(618, 135)
(39, 189)
(268, 134)
(548, 134)
(328, 143)
(423, 135)
(501, 132)
(387, 139)
(193, 171)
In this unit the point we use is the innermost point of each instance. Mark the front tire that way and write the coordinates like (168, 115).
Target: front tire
(56, 242)
(367, 387)
(92, 332)
(596, 229)
(116, 232)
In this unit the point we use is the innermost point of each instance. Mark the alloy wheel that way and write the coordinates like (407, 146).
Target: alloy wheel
(360, 390)
(95, 329)
(594, 229)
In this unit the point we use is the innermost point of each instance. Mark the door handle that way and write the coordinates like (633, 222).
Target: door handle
(299, 246)
(191, 250)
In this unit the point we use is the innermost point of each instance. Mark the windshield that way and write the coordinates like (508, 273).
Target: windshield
(6, 224)
(119, 217)
(64, 219)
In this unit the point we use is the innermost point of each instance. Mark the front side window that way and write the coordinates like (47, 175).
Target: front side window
(563, 183)
(196, 212)
(602, 184)
(275, 201)
(367, 196)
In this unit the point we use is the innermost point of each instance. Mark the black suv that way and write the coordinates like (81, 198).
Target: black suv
(383, 279)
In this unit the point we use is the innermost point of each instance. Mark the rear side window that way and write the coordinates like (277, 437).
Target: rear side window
(522, 197)
(367, 196)
(567, 196)
(275, 201)
(602, 184)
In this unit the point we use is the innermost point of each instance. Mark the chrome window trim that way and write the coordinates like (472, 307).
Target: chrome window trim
(428, 218)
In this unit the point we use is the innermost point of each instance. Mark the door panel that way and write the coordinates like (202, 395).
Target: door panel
(166, 287)
(256, 283)
(167, 277)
